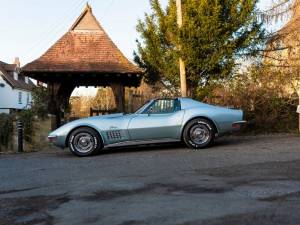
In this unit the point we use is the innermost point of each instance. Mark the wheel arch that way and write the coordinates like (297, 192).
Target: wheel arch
(199, 117)
(83, 126)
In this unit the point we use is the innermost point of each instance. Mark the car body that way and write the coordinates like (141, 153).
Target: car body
(159, 120)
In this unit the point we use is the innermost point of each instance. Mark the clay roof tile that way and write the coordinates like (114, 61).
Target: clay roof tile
(84, 48)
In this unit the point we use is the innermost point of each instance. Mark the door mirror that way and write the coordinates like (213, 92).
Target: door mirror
(150, 111)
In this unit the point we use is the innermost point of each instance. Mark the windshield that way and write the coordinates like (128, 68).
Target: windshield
(142, 109)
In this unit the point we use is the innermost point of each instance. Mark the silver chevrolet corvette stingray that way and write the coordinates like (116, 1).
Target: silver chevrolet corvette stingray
(158, 121)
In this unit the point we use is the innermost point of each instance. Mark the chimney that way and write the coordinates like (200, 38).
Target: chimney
(17, 62)
(40, 84)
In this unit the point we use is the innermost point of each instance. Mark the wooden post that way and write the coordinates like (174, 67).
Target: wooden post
(181, 62)
(119, 94)
(20, 129)
(130, 101)
(59, 99)
(182, 78)
(53, 122)
(298, 111)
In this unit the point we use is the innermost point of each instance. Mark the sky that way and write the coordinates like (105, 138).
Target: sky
(29, 27)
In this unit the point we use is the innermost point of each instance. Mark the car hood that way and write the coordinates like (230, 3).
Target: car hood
(96, 122)
(110, 116)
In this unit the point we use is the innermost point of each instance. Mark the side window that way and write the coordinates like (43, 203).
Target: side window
(163, 106)
(28, 97)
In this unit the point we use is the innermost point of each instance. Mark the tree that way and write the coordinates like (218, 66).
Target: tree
(214, 34)
(40, 97)
(282, 54)
(104, 99)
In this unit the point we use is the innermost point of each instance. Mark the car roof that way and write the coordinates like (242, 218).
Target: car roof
(190, 103)
(166, 98)
(185, 102)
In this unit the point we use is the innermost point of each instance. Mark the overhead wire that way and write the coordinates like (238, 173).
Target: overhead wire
(108, 8)
(50, 35)
(52, 32)
(48, 31)
(56, 31)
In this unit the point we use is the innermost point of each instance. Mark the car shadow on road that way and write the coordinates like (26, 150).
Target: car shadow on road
(231, 140)
(129, 149)
(226, 141)
(145, 148)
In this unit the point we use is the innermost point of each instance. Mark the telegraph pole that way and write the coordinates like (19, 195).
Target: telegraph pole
(298, 110)
(181, 62)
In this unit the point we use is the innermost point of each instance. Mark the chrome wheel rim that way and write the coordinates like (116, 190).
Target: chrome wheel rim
(83, 142)
(199, 134)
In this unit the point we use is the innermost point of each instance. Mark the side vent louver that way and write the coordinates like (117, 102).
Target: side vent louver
(114, 135)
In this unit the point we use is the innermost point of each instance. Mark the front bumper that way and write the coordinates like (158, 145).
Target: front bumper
(57, 141)
(53, 140)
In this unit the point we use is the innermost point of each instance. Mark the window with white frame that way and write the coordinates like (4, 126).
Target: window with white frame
(20, 97)
(28, 98)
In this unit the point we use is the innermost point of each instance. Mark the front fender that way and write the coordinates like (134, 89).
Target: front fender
(60, 136)
(102, 124)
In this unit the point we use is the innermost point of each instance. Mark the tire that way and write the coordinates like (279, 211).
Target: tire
(199, 134)
(85, 142)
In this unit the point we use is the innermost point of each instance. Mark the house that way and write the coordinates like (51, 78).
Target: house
(283, 49)
(15, 89)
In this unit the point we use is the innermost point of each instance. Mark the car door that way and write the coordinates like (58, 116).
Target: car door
(161, 119)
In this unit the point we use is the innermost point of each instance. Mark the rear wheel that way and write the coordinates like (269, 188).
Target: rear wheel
(85, 142)
(199, 134)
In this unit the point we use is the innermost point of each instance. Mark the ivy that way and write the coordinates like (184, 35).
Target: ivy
(6, 130)
(27, 118)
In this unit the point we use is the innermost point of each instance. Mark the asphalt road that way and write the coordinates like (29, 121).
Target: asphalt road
(242, 180)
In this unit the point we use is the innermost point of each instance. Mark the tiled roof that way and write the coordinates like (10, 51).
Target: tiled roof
(291, 28)
(8, 67)
(84, 48)
(7, 72)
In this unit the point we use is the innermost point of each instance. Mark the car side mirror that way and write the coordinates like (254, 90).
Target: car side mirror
(150, 111)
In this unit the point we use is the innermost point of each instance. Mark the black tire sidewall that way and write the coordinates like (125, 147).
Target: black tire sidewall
(186, 134)
(95, 135)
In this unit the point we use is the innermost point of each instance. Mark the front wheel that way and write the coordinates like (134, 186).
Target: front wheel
(199, 133)
(84, 142)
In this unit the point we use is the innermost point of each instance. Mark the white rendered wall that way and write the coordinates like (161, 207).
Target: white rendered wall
(4, 111)
(9, 97)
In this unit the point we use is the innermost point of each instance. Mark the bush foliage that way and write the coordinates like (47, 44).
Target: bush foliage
(263, 95)
(40, 97)
(6, 128)
(39, 109)
(27, 118)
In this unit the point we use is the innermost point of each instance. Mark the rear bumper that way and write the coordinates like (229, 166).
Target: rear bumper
(236, 126)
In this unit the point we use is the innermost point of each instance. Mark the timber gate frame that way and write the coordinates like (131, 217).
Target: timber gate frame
(84, 56)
